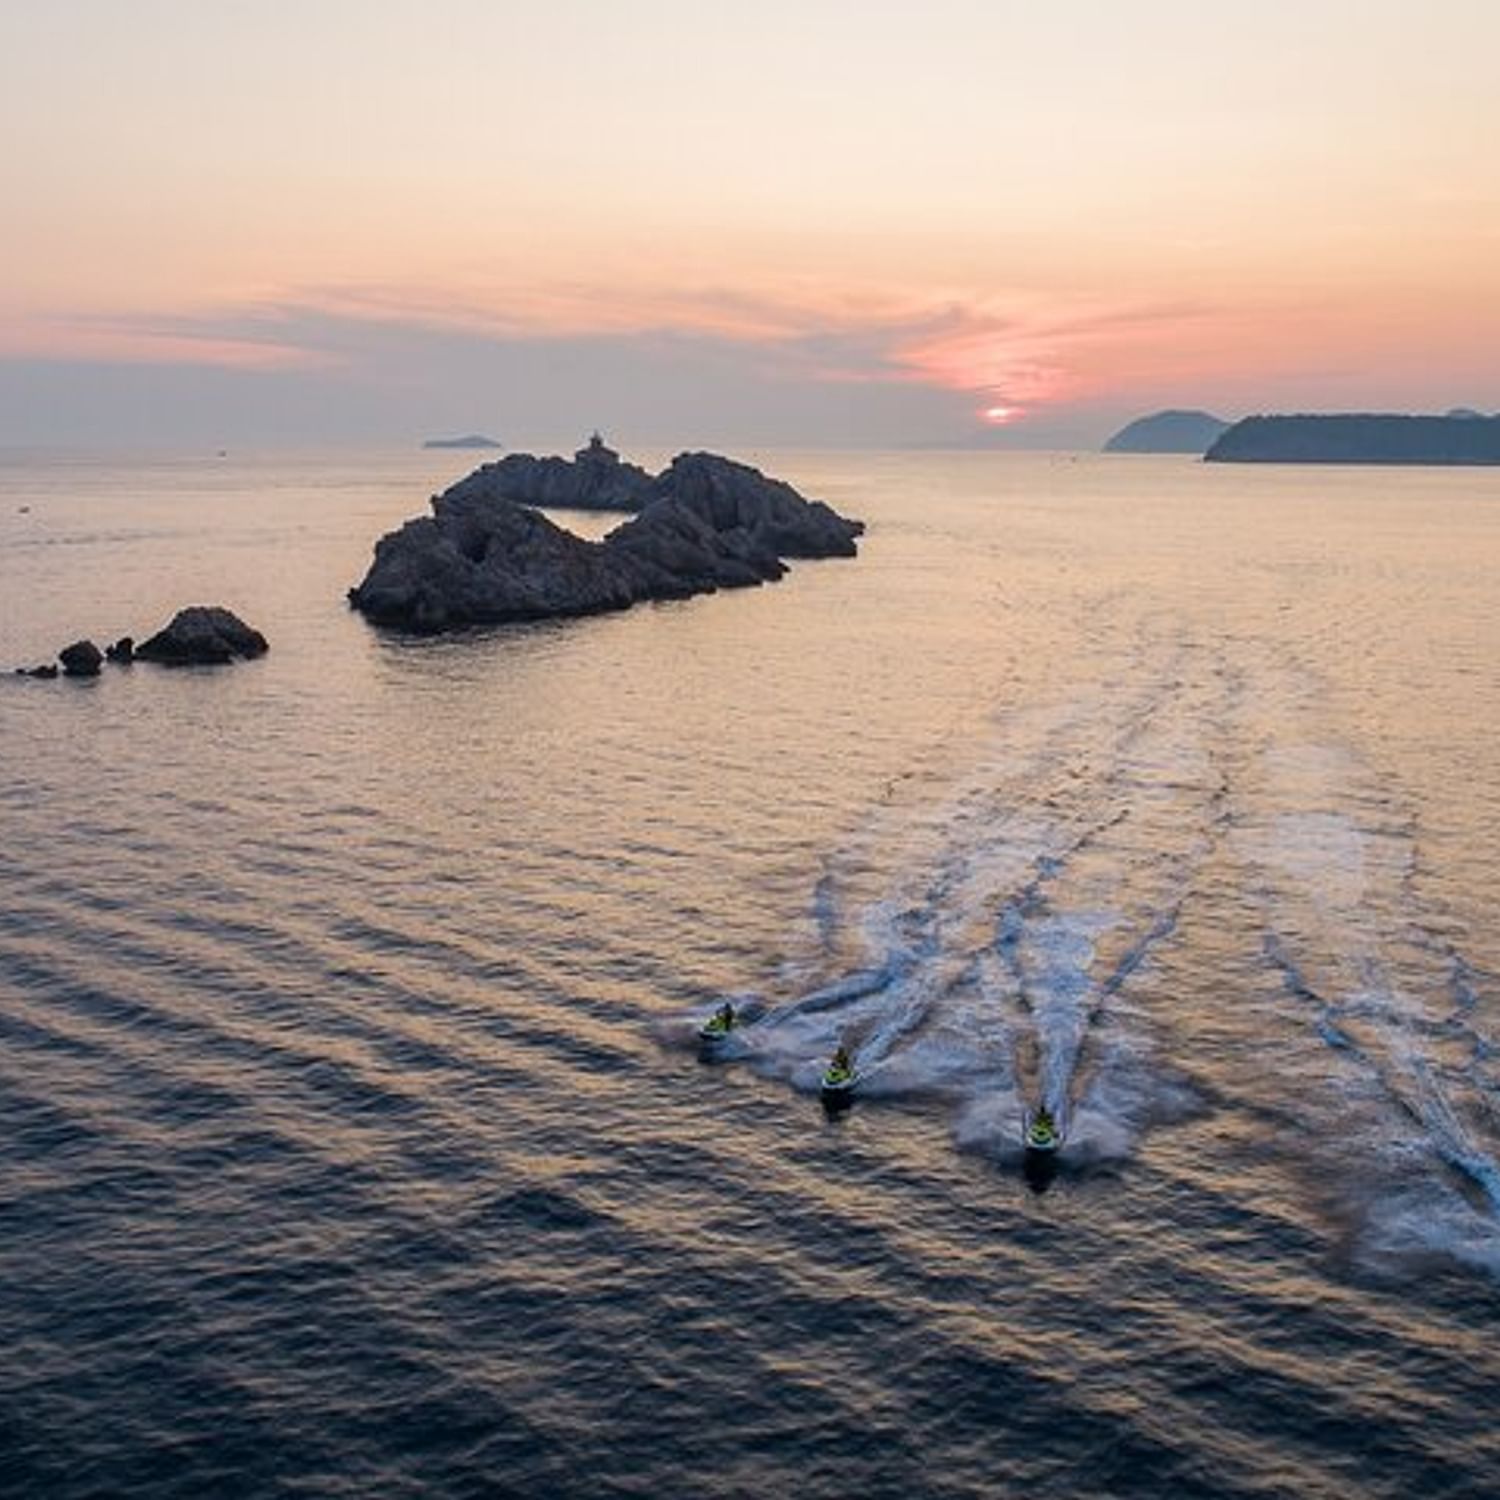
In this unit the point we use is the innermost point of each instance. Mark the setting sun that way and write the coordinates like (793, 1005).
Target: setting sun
(1000, 416)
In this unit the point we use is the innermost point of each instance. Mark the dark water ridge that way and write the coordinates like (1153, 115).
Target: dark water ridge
(356, 1139)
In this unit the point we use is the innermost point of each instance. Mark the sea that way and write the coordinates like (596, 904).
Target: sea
(356, 1138)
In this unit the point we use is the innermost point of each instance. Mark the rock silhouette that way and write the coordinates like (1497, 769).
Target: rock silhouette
(202, 635)
(485, 555)
(595, 479)
(81, 659)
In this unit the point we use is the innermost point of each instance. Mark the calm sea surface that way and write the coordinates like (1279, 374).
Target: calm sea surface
(354, 1137)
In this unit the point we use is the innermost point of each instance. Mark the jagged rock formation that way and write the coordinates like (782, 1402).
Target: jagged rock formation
(1360, 440)
(486, 556)
(479, 558)
(1168, 432)
(202, 635)
(736, 500)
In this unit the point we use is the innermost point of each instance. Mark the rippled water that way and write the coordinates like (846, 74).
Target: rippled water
(354, 1137)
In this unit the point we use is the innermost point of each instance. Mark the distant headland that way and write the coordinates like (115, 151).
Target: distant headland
(469, 440)
(1360, 439)
(1168, 432)
(487, 554)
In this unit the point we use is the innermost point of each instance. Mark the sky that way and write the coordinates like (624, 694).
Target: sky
(821, 222)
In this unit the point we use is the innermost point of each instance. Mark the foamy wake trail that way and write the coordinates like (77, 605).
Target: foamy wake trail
(1402, 1070)
(1093, 1059)
(1454, 1141)
(908, 1018)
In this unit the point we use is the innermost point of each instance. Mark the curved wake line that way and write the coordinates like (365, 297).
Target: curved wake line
(1389, 995)
(1404, 1073)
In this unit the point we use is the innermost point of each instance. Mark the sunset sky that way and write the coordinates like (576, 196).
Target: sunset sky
(820, 221)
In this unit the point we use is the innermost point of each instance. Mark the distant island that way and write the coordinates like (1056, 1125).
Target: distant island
(1360, 439)
(1168, 432)
(469, 440)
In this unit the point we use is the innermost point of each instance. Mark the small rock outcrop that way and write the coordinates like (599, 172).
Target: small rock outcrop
(47, 669)
(486, 556)
(81, 659)
(202, 635)
(122, 652)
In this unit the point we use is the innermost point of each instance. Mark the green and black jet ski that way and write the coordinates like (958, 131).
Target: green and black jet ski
(718, 1025)
(839, 1077)
(1042, 1133)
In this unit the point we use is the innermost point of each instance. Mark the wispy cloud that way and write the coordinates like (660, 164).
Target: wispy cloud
(983, 350)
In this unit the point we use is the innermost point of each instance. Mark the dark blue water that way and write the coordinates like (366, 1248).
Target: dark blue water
(356, 1139)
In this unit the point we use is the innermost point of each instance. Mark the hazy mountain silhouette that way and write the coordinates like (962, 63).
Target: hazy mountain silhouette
(1168, 432)
(469, 440)
(1360, 439)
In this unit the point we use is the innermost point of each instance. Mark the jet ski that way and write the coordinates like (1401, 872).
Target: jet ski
(718, 1025)
(1041, 1134)
(839, 1077)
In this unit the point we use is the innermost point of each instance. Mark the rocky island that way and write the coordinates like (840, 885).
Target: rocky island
(1168, 432)
(1360, 440)
(487, 554)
